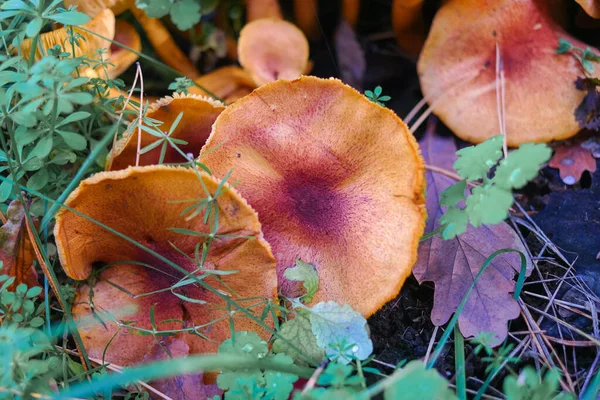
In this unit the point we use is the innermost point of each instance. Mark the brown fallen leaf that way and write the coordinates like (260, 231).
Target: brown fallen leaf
(183, 387)
(16, 251)
(453, 264)
(572, 160)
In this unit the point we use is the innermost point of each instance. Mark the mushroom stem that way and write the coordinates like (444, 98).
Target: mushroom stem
(350, 10)
(305, 13)
(224, 82)
(165, 46)
(257, 9)
(408, 25)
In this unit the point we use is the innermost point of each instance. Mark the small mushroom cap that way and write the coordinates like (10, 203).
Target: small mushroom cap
(457, 70)
(103, 25)
(272, 49)
(122, 58)
(591, 7)
(199, 113)
(224, 82)
(337, 181)
(143, 203)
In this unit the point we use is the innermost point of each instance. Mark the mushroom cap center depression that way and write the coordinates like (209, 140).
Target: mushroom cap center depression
(314, 202)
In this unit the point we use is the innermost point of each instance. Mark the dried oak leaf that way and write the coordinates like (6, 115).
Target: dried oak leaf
(16, 250)
(183, 387)
(453, 264)
(572, 160)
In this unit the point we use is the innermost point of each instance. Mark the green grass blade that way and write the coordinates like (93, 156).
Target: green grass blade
(459, 364)
(175, 367)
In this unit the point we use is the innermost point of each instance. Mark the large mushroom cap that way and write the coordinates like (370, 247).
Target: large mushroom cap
(337, 181)
(143, 203)
(457, 70)
(272, 49)
(199, 113)
(103, 25)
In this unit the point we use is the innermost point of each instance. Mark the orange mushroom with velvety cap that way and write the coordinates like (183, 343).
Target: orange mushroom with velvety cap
(338, 181)
(272, 49)
(591, 7)
(121, 58)
(103, 25)
(458, 74)
(143, 203)
(199, 114)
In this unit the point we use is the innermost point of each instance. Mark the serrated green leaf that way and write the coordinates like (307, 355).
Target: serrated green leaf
(521, 165)
(527, 386)
(415, 382)
(307, 274)
(475, 161)
(36, 322)
(246, 343)
(331, 323)
(488, 205)
(453, 194)
(5, 190)
(185, 14)
(454, 222)
(298, 331)
(155, 8)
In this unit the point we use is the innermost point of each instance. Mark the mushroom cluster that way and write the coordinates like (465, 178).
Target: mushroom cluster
(337, 181)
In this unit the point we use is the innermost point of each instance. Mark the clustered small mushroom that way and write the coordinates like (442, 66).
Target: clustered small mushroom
(338, 181)
(591, 7)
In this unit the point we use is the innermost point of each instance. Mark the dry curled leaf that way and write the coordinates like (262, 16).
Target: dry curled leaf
(16, 250)
(182, 387)
(572, 160)
(453, 264)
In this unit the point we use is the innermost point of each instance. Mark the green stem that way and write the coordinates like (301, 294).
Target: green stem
(459, 364)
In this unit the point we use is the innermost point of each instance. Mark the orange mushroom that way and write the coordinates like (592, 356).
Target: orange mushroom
(199, 113)
(227, 83)
(120, 58)
(272, 49)
(530, 85)
(144, 203)
(103, 24)
(407, 20)
(591, 7)
(337, 180)
(157, 33)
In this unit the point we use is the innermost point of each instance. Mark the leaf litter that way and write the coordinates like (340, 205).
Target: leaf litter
(452, 264)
